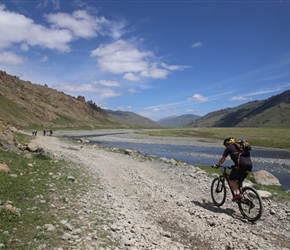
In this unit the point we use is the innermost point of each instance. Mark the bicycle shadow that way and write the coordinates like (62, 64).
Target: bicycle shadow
(211, 207)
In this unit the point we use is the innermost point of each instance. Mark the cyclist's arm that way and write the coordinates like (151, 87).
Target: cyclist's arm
(221, 161)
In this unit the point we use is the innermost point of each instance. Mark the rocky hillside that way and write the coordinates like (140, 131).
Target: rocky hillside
(28, 105)
(272, 112)
(24, 104)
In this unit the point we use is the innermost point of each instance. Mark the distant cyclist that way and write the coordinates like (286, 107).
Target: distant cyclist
(242, 164)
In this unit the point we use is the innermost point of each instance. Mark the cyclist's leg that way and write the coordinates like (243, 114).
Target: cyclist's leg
(243, 177)
(234, 177)
(245, 170)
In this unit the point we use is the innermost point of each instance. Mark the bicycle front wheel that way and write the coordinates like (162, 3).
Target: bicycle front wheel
(251, 204)
(218, 191)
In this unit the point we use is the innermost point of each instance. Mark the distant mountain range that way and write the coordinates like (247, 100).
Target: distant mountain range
(28, 105)
(132, 119)
(177, 121)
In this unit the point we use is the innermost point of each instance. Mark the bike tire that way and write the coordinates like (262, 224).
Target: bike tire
(251, 204)
(218, 191)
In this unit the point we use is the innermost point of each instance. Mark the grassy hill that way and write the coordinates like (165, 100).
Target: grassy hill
(27, 105)
(272, 112)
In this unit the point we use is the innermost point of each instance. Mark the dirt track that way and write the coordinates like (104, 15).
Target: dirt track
(154, 205)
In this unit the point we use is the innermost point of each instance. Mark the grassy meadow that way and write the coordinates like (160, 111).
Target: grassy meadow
(263, 137)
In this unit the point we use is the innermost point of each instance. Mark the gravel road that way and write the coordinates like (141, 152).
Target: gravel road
(155, 205)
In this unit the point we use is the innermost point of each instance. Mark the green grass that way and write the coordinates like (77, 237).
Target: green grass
(264, 137)
(22, 138)
(25, 188)
(10, 111)
(34, 188)
(277, 193)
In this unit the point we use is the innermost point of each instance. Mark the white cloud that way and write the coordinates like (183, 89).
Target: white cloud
(108, 93)
(65, 27)
(44, 3)
(247, 96)
(156, 73)
(270, 78)
(56, 4)
(76, 88)
(9, 58)
(116, 29)
(121, 57)
(238, 98)
(131, 77)
(124, 109)
(198, 97)
(133, 91)
(261, 92)
(196, 45)
(109, 83)
(121, 108)
(80, 22)
(101, 92)
(16, 28)
(44, 59)
(24, 47)
(174, 67)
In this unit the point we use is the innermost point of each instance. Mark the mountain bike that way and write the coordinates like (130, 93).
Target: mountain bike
(250, 204)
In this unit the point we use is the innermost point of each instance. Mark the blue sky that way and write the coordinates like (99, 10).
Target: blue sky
(154, 58)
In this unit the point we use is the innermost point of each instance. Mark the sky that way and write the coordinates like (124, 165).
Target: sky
(154, 58)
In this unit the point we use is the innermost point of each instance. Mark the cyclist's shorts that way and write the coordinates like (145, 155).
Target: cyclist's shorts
(237, 173)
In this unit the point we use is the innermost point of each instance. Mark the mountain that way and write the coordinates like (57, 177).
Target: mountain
(271, 112)
(131, 119)
(177, 121)
(27, 105)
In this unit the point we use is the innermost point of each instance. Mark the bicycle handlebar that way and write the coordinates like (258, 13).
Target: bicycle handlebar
(224, 167)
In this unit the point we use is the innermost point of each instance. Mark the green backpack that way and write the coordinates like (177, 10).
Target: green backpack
(243, 146)
(244, 149)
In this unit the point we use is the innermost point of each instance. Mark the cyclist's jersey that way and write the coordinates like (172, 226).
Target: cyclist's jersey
(234, 154)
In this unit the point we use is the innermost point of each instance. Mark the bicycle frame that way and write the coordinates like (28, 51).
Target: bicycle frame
(250, 204)
(225, 175)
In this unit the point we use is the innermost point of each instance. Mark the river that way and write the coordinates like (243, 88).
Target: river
(275, 161)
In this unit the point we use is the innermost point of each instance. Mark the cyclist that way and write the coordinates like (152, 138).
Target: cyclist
(242, 163)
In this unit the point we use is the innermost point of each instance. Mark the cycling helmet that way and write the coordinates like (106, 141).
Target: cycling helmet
(229, 140)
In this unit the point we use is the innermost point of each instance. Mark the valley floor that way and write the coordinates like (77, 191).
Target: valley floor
(154, 205)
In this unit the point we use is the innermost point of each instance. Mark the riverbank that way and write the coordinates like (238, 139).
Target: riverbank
(192, 150)
(153, 205)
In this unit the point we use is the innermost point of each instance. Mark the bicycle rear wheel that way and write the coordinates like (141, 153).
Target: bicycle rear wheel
(218, 191)
(251, 204)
